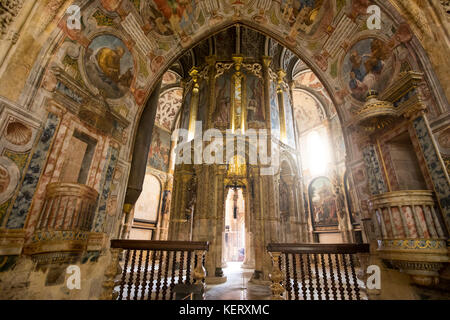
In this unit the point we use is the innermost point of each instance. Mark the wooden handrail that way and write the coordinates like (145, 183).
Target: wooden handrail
(151, 270)
(160, 245)
(315, 271)
(318, 248)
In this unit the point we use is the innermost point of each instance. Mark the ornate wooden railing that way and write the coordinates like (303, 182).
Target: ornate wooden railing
(151, 270)
(315, 271)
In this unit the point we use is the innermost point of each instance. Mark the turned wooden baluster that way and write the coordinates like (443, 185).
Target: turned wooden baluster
(325, 277)
(152, 273)
(316, 270)
(288, 276)
(145, 283)
(276, 276)
(172, 280)
(166, 275)
(124, 274)
(355, 279)
(138, 276)
(180, 271)
(341, 285)
(347, 278)
(199, 270)
(158, 279)
(333, 280)
(111, 272)
(310, 286)
(295, 276)
(188, 268)
(130, 280)
(302, 277)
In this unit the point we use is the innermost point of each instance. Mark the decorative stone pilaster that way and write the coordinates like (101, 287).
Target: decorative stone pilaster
(374, 170)
(434, 162)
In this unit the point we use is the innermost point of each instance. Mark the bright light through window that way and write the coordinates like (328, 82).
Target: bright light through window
(318, 154)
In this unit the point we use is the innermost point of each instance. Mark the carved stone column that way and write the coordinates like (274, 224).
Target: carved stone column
(183, 204)
(214, 261)
(249, 262)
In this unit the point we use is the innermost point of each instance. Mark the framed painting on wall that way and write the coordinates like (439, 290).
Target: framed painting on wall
(322, 203)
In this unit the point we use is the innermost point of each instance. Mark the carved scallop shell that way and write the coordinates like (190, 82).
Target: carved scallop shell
(17, 133)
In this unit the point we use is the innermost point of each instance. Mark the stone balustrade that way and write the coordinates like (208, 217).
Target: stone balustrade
(412, 233)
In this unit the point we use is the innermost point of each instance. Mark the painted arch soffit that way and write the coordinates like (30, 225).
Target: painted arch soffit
(151, 35)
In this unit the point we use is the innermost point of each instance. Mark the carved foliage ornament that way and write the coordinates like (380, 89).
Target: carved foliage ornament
(9, 9)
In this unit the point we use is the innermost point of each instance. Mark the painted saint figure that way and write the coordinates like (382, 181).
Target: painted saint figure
(366, 68)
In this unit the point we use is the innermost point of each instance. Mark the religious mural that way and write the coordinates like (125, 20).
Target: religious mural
(221, 115)
(255, 102)
(158, 156)
(109, 66)
(368, 65)
(179, 14)
(306, 17)
(185, 110)
(156, 19)
(274, 112)
(203, 103)
(323, 205)
(290, 134)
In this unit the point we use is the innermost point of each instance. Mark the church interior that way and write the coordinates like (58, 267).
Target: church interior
(224, 149)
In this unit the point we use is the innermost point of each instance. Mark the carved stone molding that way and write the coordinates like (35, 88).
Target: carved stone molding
(9, 9)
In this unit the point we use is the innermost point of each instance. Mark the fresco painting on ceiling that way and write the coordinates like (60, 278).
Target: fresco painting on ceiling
(307, 111)
(255, 110)
(158, 22)
(309, 79)
(221, 113)
(109, 66)
(290, 135)
(203, 103)
(180, 14)
(306, 16)
(323, 205)
(158, 156)
(368, 65)
(274, 115)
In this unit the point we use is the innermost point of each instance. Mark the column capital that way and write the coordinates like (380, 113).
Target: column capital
(417, 110)
(266, 60)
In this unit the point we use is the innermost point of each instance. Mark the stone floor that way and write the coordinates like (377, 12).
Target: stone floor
(237, 286)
